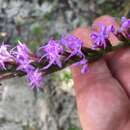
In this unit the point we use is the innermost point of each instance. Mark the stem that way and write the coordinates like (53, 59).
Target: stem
(90, 55)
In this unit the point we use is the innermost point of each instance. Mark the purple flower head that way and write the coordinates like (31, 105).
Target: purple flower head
(73, 45)
(53, 51)
(125, 27)
(84, 63)
(5, 56)
(22, 57)
(22, 54)
(35, 79)
(100, 38)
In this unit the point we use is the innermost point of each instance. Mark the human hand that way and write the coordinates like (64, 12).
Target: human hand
(103, 94)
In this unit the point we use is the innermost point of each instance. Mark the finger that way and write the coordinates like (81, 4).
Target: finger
(101, 97)
(97, 100)
(118, 62)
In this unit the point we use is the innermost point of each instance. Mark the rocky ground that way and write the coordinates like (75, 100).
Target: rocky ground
(34, 21)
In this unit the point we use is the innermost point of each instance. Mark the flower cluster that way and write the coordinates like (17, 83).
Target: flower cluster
(101, 37)
(72, 45)
(53, 52)
(21, 54)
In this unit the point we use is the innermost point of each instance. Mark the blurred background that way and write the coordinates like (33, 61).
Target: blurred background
(33, 22)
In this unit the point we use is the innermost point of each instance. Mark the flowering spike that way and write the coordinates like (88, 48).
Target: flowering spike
(100, 38)
(56, 52)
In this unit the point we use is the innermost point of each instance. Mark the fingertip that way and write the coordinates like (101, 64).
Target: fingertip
(106, 20)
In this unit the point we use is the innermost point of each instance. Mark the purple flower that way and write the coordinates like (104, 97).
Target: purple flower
(84, 64)
(5, 56)
(100, 38)
(35, 79)
(125, 27)
(22, 53)
(53, 51)
(73, 45)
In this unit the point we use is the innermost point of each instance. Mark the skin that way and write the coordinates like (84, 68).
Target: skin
(103, 94)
